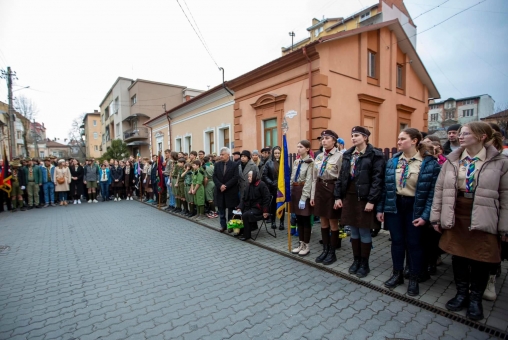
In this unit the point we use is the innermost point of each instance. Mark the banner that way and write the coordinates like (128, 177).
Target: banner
(5, 176)
(283, 192)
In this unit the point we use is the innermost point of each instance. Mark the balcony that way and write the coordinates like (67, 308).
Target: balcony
(137, 133)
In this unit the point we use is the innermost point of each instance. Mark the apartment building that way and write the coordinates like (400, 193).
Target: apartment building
(91, 132)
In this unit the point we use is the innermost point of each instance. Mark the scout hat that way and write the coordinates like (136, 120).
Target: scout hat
(15, 163)
(361, 130)
(329, 133)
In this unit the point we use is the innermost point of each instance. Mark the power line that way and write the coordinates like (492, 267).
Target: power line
(197, 27)
(433, 8)
(202, 42)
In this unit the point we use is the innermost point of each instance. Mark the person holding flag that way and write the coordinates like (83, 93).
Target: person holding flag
(5, 183)
(326, 172)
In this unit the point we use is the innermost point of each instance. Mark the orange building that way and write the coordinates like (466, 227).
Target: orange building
(369, 76)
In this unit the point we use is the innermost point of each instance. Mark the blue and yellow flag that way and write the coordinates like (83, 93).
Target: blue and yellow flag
(283, 193)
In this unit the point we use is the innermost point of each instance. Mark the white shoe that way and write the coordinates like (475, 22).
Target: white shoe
(305, 249)
(119, 199)
(490, 292)
(75, 202)
(95, 201)
(89, 201)
(116, 199)
(299, 248)
(79, 201)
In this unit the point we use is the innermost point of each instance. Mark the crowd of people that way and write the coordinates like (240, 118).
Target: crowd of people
(427, 195)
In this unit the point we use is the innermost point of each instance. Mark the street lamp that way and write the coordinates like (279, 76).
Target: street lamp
(26, 87)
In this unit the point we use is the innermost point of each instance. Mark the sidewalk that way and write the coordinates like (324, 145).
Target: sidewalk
(435, 292)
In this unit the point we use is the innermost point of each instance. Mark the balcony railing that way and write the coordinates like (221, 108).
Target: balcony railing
(137, 133)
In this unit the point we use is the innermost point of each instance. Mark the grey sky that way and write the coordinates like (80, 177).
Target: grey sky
(70, 52)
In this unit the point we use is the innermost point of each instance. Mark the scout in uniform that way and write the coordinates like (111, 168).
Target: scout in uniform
(33, 177)
(197, 189)
(18, 184)
(209, 187)
(187, 174)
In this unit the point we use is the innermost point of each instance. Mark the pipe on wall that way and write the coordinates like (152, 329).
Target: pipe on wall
(310, 92)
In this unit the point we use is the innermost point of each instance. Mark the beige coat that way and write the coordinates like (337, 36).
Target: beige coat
(63, 172)
(306, 173)
(490, 205)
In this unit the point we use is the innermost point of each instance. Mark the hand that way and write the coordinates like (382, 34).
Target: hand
(437, 227)
(222, 188)
(369, 207)
(84, 182)
(176, 185)
(170, 185)
(301, 205)
(144, 181)
(338, 204)
(419, 222)
(311, 203)
(265, 215)
(116, 180)
(380, 217)
(22, 187)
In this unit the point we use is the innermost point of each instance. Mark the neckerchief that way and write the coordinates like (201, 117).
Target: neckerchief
(354, 160)
(327, 154)
(297, 175)
(404, 166)
(469, 163)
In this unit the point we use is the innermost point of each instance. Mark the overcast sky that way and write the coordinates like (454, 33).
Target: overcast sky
(70, 52)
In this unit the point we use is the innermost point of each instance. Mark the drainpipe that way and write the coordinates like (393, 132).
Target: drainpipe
(169, 130)
(151, 141)
(223, 82)
(310, 92)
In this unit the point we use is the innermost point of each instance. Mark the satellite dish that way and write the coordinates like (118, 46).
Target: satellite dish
(291, 114)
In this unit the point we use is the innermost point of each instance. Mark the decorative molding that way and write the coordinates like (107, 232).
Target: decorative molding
(405, 108)
(366, 98)
(267, 100)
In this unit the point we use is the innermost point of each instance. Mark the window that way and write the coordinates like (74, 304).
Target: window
(95, 135)
(96, 148)
(450, 115)
(133, 100)
(226, 137)
(116, 105)
(270, 128)
(94, 122)
(117, 128)
(365, 16)
(178, 145)
(400, 79)
(403, 126)
(468, 113)
(159, 147)
(18, 134)
(106, 113)
(468, 102)
(188, 144)
(372, 65)
(433, 117)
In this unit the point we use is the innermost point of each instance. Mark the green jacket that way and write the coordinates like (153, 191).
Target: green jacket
(36, 173)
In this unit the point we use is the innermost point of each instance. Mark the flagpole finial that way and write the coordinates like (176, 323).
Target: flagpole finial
(284, 125)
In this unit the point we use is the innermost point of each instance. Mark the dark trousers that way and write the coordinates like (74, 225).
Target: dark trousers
(4, 199)
(250, 223)
(430, 244)
(222, 216)
(405, 236)
(104, 191)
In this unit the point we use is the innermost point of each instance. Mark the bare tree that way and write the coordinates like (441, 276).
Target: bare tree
(75, 133)
(28, 109)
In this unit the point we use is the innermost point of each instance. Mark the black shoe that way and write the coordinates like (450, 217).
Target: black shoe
(364, 269)
(22, 209)
(396, 279)
(374, 232)
(274, 226)
(330, 257)
(475, 308)
(498, 272)
(323, 255)
(38, 207)
(423, 277)
(406, 272)
(355, 266)
(431, 269)
(14, 210)
(177, 210)
(242, 238)
(413, 289)
(29, 208)
(221, 230)
(281, 226)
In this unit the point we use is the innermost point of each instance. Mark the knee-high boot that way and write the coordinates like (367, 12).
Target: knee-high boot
(355, 245)
(334, 241)
(460, 267)
(479, 280)
(364, 269)
(325, 236)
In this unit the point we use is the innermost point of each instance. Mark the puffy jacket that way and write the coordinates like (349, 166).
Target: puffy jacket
(429, 171)
(370, 169)
(490, 204)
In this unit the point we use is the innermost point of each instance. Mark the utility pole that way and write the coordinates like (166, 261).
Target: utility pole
(292, 35)
(12, 132)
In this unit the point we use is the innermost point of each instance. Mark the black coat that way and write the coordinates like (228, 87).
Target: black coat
(77, 184)
(229, 198)
(269, 175)
(370, 170)
(256, 196)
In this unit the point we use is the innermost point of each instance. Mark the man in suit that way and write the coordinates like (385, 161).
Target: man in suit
(225, 177)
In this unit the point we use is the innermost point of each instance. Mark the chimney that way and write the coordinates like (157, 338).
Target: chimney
(95, 111)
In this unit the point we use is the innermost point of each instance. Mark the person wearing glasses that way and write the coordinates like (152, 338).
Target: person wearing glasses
(470, 209)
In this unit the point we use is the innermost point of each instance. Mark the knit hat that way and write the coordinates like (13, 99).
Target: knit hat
(341, 141)
(245, 153)
(237, 153)
(255, 152)
(454, 127)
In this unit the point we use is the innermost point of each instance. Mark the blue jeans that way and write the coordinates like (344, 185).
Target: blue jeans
(62, 196)
(105, 190)
(172, 201)
(405, 236)
(222, 216)
(361, 233)
(49, 192)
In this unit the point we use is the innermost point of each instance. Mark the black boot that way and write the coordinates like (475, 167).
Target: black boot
(479, 280)
(396, 279)
(413, 289)
(364, 269)
(355, 245)
(406, 272)
(274, 224)
(461, 277)
(323, 255)
(281, 225)
(330, 257)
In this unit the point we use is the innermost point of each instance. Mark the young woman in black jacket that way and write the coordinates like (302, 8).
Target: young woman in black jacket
(270, 177)
(357, 191)
(254, 204)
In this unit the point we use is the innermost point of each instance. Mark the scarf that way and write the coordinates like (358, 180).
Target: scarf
(469, 163)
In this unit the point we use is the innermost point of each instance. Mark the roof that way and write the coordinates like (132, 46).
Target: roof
(500, 114)
(52, 144)
(111, 88)
(322, 22)
(155, 82)
(192, 100)
(459, 99)
(352, 16)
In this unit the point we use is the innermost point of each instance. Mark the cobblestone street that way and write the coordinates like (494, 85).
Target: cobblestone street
(124, 270)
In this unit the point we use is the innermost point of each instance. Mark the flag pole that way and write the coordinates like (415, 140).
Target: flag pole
(288, 219)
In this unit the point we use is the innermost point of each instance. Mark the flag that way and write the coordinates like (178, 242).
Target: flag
(283, 192)
(5, 177)
(160, 176)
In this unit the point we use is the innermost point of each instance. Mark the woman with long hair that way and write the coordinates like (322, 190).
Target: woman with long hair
(405, 205)
(301, 186)
(357, 190)
(117, 177)
(76, 187)
(470, 208)
(326, 172)
(271, 177)
(62, 180)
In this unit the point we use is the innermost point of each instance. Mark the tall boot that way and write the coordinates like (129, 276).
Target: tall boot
(461, 277)
(479, 281)
(355, 245)
(334, 240)
(364, 269)
(325, 236)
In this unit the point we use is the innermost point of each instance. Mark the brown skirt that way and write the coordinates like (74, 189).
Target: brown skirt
(353, 211)
(296, 194)
(475, 245)
(324, 201)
